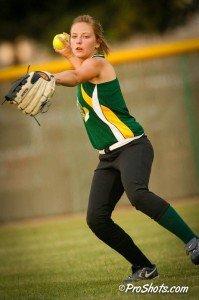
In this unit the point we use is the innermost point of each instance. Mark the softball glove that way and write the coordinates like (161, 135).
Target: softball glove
(32, 92)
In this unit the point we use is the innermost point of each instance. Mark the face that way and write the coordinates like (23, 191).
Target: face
(83, 41)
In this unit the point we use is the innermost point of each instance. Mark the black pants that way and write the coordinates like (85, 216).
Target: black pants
(125, 169)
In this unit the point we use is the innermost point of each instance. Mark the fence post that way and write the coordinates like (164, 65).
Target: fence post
(189, 107)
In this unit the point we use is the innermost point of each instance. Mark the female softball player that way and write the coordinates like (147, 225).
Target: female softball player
(125, 152)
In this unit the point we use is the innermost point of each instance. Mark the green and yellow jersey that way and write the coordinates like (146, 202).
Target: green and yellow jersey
(105, 115)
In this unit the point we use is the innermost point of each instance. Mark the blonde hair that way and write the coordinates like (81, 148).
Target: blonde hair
(98, 31)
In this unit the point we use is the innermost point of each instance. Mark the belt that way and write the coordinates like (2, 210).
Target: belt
(117, 145)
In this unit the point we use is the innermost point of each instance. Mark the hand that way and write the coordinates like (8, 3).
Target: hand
(67, 51)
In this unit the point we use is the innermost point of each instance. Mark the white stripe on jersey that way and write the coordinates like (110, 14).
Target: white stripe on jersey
(98, 111)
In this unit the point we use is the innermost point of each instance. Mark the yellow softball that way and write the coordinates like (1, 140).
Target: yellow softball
(57, 43)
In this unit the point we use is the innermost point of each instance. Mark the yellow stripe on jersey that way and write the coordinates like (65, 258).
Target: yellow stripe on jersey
(113, 119)
(86, 97)
(110, 116)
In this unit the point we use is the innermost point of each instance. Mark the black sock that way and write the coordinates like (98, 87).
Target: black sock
(132, 253)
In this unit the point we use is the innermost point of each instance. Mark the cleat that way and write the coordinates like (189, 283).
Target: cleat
(143, 273)
(192, 248)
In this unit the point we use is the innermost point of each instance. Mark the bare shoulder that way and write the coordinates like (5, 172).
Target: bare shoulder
(95, 61)
(106, 70)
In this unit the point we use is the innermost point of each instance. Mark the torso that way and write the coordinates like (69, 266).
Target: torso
(105, 115)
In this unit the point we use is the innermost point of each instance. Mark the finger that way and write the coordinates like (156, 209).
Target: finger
(67, 35)
(59, 51)
(62, 40)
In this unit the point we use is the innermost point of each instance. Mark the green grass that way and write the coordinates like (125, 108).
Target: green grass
(60, 258)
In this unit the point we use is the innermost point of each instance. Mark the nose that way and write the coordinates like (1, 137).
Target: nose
(79, 40)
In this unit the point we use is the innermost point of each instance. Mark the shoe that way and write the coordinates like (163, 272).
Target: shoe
(192, 248)
(143, 273)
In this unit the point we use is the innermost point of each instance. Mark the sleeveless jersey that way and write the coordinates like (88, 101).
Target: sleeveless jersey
(105, 115)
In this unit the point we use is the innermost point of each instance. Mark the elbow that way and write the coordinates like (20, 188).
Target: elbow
(81, 77)
(77, 78)
(73, 79)
(68, 78)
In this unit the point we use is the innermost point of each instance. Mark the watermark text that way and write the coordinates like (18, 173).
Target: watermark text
(150, 288)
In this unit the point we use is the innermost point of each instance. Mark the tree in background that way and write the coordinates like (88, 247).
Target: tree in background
(120, 19)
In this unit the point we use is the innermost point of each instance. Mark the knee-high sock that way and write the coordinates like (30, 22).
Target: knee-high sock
(173, 222)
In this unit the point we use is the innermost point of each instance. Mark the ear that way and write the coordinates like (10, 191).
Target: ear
(98, 43)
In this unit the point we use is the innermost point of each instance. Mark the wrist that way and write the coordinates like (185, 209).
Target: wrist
(69, 56)
(57, 79)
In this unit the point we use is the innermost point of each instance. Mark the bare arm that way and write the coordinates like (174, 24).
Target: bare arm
(75, 61)
(67, 78)
(67, 53)
(89, 70)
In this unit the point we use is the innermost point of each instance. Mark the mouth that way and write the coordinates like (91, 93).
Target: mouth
(78, 49)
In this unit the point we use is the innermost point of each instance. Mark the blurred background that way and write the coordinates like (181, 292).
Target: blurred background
(47, 170)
